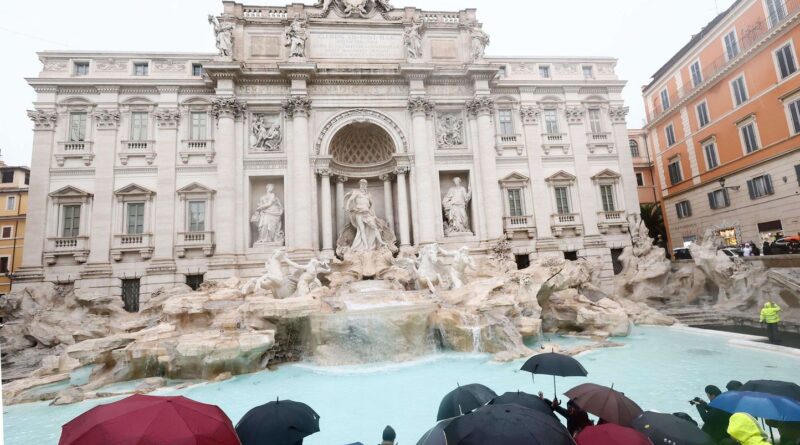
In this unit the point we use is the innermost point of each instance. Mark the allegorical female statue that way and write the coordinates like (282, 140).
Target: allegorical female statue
(267, 217)
(224, 36)
(358, 205)
(455, 208)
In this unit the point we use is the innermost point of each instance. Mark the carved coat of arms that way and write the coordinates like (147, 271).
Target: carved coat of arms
(359, 8)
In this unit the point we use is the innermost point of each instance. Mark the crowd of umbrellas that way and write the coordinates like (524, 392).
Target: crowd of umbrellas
(470, 414)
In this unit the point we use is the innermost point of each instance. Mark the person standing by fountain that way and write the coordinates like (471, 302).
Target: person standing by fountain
(771, 315)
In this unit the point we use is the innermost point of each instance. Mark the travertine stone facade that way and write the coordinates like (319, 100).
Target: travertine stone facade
(160, 166)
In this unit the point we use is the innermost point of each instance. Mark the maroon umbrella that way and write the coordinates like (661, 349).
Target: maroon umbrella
(611, 434)
(605, 403)
(141, 419)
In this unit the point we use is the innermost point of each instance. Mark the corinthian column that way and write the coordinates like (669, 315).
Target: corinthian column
(387, 199)
(541, 195)
(297, 108)
(105, 142)
(226, 110)
(340, 221)
(424, 173)
(482, 108)
(402, 206)
(167, 120)
(327, 220)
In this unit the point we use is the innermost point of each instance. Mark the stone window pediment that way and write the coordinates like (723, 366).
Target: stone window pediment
(70, 194)
(606, 176)
(561, 177)
(515, 179)
(133, 191)
(195, 189)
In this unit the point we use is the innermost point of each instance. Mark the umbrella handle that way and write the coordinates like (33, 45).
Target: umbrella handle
(555, 393)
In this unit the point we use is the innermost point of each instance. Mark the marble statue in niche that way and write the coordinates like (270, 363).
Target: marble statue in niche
(296, 38)
(224, 35)
(358, 204)
(480, 40)
(450, 131)
(455, 204)
(267, 218)
(412, 39)
(266, 134)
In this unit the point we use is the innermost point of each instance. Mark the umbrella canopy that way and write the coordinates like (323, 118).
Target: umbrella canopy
(463, 400)
(435, 435)
(523, 399)
(553, 363)
(282, 422)
(611, 434)
(605, 403)
(776, 387)
(758, 404)
(140, 419)
(667, 428)
(507, 425)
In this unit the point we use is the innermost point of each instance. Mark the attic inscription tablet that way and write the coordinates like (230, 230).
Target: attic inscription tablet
(335, 45)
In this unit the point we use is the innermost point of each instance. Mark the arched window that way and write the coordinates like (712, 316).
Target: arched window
(634, 148)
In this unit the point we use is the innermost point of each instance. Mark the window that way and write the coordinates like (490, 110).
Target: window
(138, 126)
(674, 168)
(130, 294)
(594, 121)
(11, 202)
(749, 138)
(71, 220)
(197, 69)
(664, 99)
(198, 130)
(634, 148)
(194, 281)
(719, 199)
(776, 10)
(523, 261)
(702, 114)
(4, 261)
(607, 196)
(562, 200)
(739, 90)
(797, 173)
(506, 124)
(544, 71)
(515, 202)
(77, 127)
(135, 224)
(8, 176)
(615, 261)
(697, 75)
(710, 151)
(571, 255)
(670, 131)
(81, 68)
(794, 115)
(684, 209)
(760, 186)
(588, 72)
(27, 178)
(6, 232)
(551, 121)
(197, 216)
(787, 65)
(502, 72)
(140, 69)
(731, 45)
(639, 179)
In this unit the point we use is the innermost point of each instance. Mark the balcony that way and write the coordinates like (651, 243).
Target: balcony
(141, 243)
(599, 143)
(561, 221)
(555, 144)
(77, 247)
(197, 147)
(145, 149)
(74, 150)
(616, 218)
(523, 223)
(194, 240)
(512, 141)
(598, 137)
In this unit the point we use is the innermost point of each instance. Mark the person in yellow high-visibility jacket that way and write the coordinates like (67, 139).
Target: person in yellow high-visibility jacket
(771, 315)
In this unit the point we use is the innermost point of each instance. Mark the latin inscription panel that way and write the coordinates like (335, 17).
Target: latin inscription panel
(336, 45)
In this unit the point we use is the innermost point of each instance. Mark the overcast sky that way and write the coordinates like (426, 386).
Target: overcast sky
(642, 34)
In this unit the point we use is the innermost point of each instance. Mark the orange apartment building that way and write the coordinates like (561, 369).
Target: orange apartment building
(723, 122)
(642, 166)
(13, 209)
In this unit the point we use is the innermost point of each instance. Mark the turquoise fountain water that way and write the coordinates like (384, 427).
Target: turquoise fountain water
(660, 368)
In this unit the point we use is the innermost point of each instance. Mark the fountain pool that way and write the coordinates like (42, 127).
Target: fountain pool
(660, 368)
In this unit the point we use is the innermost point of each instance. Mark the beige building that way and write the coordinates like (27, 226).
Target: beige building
(13, 208)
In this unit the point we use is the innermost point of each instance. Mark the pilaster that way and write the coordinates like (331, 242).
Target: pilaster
(298, 108)
(106, 122)
(539, 190)
(421, 108)
(482, 107)
(225, 110)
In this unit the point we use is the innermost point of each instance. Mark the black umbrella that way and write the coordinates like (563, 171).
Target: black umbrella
(506, 425)
(463, 400)
(282, 422)
(525, 400)
(554, 364)
(774, 387)
(668, 428)
(435, 435)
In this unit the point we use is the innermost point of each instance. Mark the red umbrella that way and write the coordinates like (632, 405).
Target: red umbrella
(611, 434)
(141, 419)
(605, 403)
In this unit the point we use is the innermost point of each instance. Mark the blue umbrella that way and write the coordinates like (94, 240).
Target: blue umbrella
(758, 404)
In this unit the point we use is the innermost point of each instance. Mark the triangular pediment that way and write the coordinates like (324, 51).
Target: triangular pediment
(69, 192)
(515, 177)
(195, 187)
(133, 189)
(606, 174)
(561, 175)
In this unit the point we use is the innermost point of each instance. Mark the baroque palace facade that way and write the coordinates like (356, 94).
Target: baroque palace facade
(151, 169)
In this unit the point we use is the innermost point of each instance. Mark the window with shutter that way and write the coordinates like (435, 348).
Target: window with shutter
(760, 186)
(797, 173)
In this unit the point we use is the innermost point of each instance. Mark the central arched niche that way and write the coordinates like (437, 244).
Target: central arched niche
(362, 146)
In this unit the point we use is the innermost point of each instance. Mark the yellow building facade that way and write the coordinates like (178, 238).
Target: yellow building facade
(13, 210)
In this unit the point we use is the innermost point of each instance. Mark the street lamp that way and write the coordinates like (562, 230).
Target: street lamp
(722, 185)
